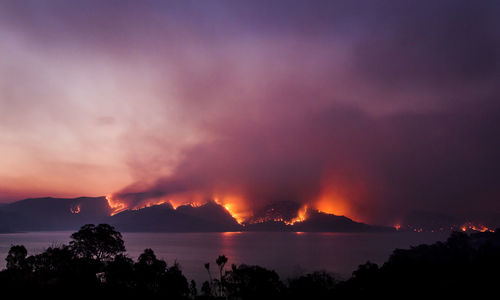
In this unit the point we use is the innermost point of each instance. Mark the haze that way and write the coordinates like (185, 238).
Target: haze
(370, 109)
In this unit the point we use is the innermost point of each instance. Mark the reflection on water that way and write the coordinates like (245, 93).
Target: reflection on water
(286, 252)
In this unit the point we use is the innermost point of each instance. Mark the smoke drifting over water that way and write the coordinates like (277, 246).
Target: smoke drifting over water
(358, 109)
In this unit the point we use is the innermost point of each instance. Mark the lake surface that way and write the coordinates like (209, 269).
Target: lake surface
(287, 253)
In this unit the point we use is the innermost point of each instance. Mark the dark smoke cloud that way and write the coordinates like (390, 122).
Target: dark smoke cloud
(393, 103)
(440, 60)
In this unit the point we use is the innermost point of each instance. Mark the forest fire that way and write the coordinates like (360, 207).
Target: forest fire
(469, 226)
(334, 202)
(75, 209)
(281, 214)
(115, 205)
(301, 216)
(232, 205)
(149, 204)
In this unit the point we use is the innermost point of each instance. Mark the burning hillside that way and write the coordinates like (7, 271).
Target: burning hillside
(181, 213)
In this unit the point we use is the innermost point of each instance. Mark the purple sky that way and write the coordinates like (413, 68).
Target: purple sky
(377, 107)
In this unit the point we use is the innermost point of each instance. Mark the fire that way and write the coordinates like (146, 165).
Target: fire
(332, 204)
(75, 209)
(469, 226)
(191, 199)
(115, 205)
(149, 204)
(397, 226)
(235, 206)
(339, 194)
(301, 216)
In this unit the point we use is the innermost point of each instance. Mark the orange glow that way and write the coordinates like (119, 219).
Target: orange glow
(301, 216)
(469, 226)
(118, 206)
(397, 226)
(115, 205)
(149, 204)
(235, 206)
(340, 195)
(332, 203)
(75, 209)
(192, 200)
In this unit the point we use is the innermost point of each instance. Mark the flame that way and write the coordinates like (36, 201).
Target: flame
(115, 205)
(75, 209)
(469, 226)
(301, 216)
(397, 226)
(332, 204)
(235, 206)
(149, 204)
(193, 200)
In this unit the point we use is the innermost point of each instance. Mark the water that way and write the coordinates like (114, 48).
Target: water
(287, 253)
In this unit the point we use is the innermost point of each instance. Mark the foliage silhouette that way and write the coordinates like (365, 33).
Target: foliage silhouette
(100, 242)
(16, 259)
(95, 264)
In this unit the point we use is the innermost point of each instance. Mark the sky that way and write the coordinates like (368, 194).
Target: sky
(372, 108)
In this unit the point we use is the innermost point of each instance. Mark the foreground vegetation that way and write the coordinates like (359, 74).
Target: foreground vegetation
(95, 264)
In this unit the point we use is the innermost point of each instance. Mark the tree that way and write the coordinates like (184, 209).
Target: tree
(16, 259)
(100, 242)
(317, 285)
(252, 282)
(150, 271)
(120, 273)
(221, 262)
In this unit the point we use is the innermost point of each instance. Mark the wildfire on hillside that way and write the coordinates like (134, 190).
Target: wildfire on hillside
(75, 209)
(235, 206)
(466, 227)
(469, 226)
(115, 205)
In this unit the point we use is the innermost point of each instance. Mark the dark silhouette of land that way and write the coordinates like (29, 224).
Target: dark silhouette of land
(95, 263)
(49, 214)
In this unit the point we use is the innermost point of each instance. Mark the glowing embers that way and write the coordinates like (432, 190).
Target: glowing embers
(332, 204)
(281, 212)
(235, 206)
(75, 209)
(116, 205)
(469, 226)
(149, 204)
(301, 216)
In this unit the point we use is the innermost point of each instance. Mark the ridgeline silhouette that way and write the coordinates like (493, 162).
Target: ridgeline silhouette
(95, 264)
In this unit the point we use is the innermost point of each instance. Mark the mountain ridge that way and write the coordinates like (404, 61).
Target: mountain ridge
(53, 214)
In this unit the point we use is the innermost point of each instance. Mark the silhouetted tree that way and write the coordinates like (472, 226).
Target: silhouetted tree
(100, 242)
(16, 258)
(462, 265)
(150, 270)
(318, 285)
(193, 292)
(154, 277)
(206, 289)
(253, 282)
(120, 273)
(221, 262)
